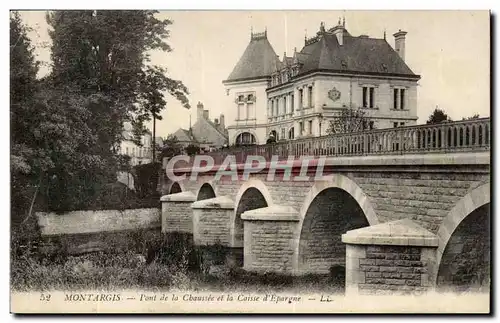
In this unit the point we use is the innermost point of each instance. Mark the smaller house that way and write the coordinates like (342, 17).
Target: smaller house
(205, 133)
(138, 155)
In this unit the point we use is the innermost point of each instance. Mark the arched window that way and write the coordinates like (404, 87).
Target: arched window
(245, 138)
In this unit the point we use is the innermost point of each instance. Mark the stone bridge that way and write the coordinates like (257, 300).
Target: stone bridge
(403, 210)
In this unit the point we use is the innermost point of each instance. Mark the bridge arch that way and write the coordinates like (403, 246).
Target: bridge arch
(464, 241)
(175, 187)
(253, 194)
(332, 207)
(206, 191)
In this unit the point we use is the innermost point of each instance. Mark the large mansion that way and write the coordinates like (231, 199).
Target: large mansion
(297, 96)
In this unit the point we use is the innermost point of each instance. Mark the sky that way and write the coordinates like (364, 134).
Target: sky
(449, 49)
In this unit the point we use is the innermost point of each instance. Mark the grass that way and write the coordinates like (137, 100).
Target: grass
(146, 260)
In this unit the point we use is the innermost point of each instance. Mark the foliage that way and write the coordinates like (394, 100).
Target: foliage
(171, 147)
(66, 128)
(146, 179)
(192, 149)
(350, 119)
(26, 159)
(147, 259)
(271, 140)
(438, 116)
(475, 116)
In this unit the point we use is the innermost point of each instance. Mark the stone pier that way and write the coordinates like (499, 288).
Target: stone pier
(397, 257)
(213, 231)
(212, 221)
(176, 213)
(271, 237)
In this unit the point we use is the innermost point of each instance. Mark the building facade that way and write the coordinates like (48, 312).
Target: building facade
(205, 133)
(138, 154)
(297, 96)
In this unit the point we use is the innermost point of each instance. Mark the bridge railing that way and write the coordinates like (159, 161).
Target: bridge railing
(467, 135)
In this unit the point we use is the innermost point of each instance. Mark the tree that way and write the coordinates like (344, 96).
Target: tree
(192, 149)
(350, 119)
(475, 116)
(23, 88)
(438, 116)
(171, 147)
(101, 77)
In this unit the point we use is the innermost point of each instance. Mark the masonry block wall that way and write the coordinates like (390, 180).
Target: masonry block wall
(466, 260)
(176, 213)
(85, 231)
(418, 195)
(212, 219)
(425, 197)
(177, 217)
(269, 246)
(392, 269)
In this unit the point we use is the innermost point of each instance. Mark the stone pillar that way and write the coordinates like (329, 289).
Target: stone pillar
(212, 221)
(176, 213)
(213, 232)
(390, 258)
(271, 236)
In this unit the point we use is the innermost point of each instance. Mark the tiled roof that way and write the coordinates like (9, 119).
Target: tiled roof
(357, 54)
(210, 122)
(183, 135)
(258, 60)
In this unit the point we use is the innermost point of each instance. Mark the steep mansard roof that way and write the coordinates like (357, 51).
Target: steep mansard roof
(361, 55)
(258, 60)
(356, 54)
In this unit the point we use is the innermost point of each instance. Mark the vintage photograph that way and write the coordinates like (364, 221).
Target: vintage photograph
(250, 161)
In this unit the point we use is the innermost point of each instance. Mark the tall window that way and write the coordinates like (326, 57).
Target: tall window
(310, 97)
(310, 127)
(283, 132)
(368, 97)
(301, 98)
(301, 127)
(250, 111)
(291, 133)
(284, 104)
(402, 100)
(241, 111)
(399, 99)
(241, 107)
(396, 96)
(292, 103)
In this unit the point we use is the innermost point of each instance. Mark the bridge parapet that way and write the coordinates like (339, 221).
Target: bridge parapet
(458, 136)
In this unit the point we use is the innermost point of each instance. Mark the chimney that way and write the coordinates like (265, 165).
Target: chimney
(199, 110)
(221, 120)
(399, 38)
(205, 114)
